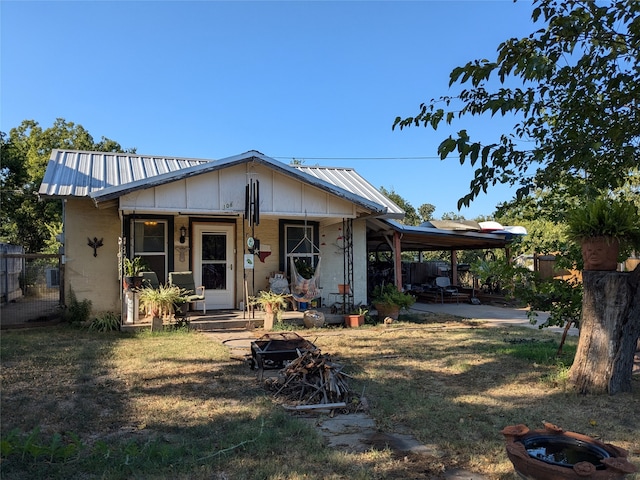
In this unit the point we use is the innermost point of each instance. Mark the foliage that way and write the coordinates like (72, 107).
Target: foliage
(390, 295)
(107, 322)
(133, 267)
(562, 299)
(24, 155)
(266, 299)
(306, 270)
(412, 217)
(606, 217)
(359, 310)
(77, 312)
(35, 446)
(574, 100)
(493, 273)
(161, 300)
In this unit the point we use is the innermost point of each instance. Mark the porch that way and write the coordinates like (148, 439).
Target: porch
(230, 319)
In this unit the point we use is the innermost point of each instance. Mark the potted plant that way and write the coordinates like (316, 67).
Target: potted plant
(132, 269)
(272, 304)
(388, 300)
(160, 301)
(604, 227)
(304, 268)
(355, 318)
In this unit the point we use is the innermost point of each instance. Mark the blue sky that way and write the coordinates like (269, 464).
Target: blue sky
(320, 82)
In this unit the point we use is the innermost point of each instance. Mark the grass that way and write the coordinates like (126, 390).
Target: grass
(174, 405)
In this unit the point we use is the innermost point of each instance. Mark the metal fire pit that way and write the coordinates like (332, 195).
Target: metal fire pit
(272, 350)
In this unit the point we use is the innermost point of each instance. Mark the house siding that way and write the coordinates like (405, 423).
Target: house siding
(93, 278)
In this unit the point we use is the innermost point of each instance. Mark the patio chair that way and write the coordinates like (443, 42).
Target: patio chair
(445, 288)
(150, 279)
(185, 281)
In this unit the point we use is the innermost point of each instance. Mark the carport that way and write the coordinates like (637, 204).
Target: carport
(384, 235)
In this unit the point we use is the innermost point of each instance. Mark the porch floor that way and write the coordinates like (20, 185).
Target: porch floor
(229, 319)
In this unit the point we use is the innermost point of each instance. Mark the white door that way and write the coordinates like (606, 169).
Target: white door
(213, 263)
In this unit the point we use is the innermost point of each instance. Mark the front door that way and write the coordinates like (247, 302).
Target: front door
(213, 263)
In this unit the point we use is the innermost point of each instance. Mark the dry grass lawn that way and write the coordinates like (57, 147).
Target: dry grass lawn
(78, 404)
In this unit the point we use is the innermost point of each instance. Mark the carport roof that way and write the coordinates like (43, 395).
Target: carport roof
(380, 232)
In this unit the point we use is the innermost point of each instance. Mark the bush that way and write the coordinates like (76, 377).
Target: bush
(77, 312)
(107, 322)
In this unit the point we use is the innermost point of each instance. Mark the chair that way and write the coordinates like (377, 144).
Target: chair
(445, 288)
(150, 279)
(185, 281)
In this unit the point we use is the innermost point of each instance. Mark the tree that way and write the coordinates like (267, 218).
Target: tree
(426, 211)
(411, 216)
(577, 103)
(573, 87)
(24, 154)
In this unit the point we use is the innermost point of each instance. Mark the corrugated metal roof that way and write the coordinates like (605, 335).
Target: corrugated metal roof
(350, 180)
(79, 173)
(106, 176)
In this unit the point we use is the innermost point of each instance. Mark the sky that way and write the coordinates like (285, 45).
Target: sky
(316, 81)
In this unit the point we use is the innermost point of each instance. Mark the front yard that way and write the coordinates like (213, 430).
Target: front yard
(175, 405)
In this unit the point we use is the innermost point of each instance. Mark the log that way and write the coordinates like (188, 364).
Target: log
(316, 406)
(609, 332)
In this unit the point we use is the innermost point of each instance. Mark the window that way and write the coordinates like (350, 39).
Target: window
(302, 248)
(150, 243)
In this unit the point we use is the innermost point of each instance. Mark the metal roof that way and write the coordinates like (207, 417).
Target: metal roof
(423, 238)
(350, 180)
(74, 173)
(105, 176)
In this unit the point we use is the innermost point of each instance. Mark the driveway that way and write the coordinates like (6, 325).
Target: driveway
(493, 315)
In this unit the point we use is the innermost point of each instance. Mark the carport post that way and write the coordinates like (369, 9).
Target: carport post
(397, 259)
(454, 267)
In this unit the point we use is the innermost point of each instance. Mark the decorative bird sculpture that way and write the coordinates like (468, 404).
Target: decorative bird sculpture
(95, 244)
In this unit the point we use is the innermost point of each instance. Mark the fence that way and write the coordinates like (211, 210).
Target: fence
(31, 287)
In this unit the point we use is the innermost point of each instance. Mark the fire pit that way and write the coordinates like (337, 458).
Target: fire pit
(553, 454)
(272, 350)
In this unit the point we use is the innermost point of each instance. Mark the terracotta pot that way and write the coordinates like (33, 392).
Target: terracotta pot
(353, 321)
(553, 454)
(387, 310)
(344, 289)
(600, 253)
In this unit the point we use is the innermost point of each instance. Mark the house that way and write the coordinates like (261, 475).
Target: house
(212, 217)
(232, 222)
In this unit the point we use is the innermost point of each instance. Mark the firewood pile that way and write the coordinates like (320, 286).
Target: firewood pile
(313, 380)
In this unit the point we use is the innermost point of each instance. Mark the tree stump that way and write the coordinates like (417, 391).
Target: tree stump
(609, 331)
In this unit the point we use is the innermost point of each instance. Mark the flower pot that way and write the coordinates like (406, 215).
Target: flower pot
(600, 253)
(344, 289)
(353, 321)
(313, 319)
(387, 310)
(268, 320)
(131, 283)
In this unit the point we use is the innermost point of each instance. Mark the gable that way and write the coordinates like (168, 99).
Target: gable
(222, 192)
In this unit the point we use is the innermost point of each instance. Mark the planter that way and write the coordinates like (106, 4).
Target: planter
(268, 320)
(344, 289)
(132, 283)
(353, 321)
(387, 310)
(553, 454)
(600, 253)
(313, 319)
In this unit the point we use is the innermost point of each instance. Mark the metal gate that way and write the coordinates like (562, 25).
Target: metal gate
(31, 287)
